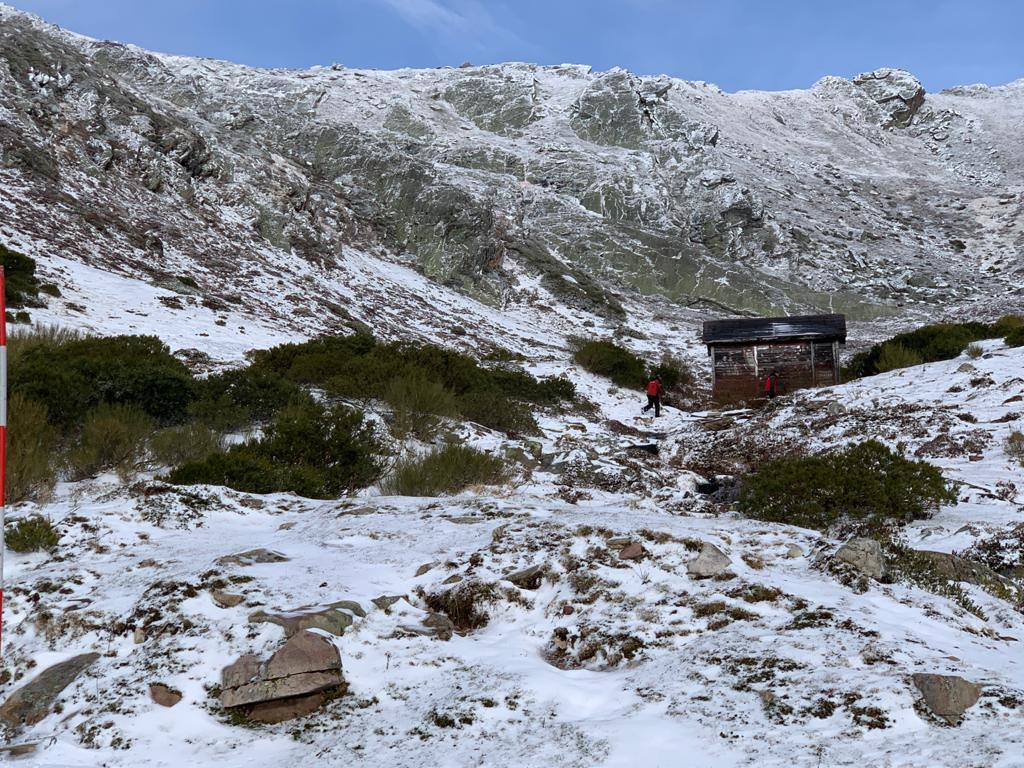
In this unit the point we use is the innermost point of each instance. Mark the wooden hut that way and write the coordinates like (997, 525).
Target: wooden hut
(802, 351)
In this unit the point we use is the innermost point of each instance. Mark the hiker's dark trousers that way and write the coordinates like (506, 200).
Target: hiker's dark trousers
(653, 401)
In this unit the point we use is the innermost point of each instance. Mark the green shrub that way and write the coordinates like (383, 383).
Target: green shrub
(31, 534)
(894, 356)
(865, 486)
(173, 446)
(674, 372)
(974, 351)
(445, 470)
(1006, 324)
(112, 437)
(239, 397)
(20, 279)
(359, 367)
(1014, 446)
(22, 341)
(608, 359)
(31, 473)
(418, 405)
(927, 344)
(1015, 337)
(70, 378)
(308, 449)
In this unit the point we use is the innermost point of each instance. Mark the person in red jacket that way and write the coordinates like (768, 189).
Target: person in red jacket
(771, 385)
(654, 390)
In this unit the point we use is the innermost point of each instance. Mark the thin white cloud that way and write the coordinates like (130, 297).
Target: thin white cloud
(471, 22)
(431, 15)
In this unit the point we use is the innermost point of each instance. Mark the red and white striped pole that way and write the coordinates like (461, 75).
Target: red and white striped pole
(3, 440)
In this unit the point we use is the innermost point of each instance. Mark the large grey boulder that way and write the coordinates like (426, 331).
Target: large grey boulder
(32, 702)
(947, 696)
(710, 561)
(253, 557)
(290, 683)
(865, 556)
(956, 568)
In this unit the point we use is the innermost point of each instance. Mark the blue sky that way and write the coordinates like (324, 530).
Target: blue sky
(766, 44)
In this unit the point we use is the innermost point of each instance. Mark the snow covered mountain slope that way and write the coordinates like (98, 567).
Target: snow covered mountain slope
(514, 185)
(777, 661)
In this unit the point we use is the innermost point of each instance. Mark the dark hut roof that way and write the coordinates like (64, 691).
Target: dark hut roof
(748, 330)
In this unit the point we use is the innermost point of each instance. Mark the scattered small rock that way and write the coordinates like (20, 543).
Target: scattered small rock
(865, 556)
(384, 602)
(710, 561)
(528, 578)
(634, 551)
(164, 695)
(226, 599)
(794, 550)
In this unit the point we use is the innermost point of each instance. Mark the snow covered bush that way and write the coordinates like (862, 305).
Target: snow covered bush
(239, 397)
(444, 470)
(309, 449)
(866, 487)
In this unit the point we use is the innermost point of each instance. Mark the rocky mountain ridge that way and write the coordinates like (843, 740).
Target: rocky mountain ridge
(599, 194)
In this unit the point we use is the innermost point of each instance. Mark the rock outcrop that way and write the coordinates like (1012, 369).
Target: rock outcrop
(33, 701)
(296, 680)
(333, 618)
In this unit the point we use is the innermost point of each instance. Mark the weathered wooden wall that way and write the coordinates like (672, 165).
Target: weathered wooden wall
(740, 370)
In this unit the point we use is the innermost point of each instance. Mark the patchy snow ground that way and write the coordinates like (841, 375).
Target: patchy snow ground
(776, 664)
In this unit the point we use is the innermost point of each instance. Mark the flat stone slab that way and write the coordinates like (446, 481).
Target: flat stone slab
(33, 701)
(333, 618)
(528, 578)
(947, 696)
(252, 557)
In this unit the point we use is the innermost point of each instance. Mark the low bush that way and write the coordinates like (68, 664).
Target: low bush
(866, 487)
(31, 473)
(928, 344)
(174, 446)
(72, 377)
(974, 351)
(1014, 446)
(674, 372)
(359, 367)
(19, 279)
(308, 449)
(1015, 337)
(112, 437)
(445, 470)
(418, 405)
(31, 534)
(893, 356)
(239, 397)
(608, 359)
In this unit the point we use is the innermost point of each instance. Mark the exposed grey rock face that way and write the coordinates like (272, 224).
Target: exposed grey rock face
(947, 696)
(252, 557)
(528, 578)
(334, 618)
(601, 185)
(899, 93)
(290, 683)
(710, 561)
(866, 556)
(32, 702)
